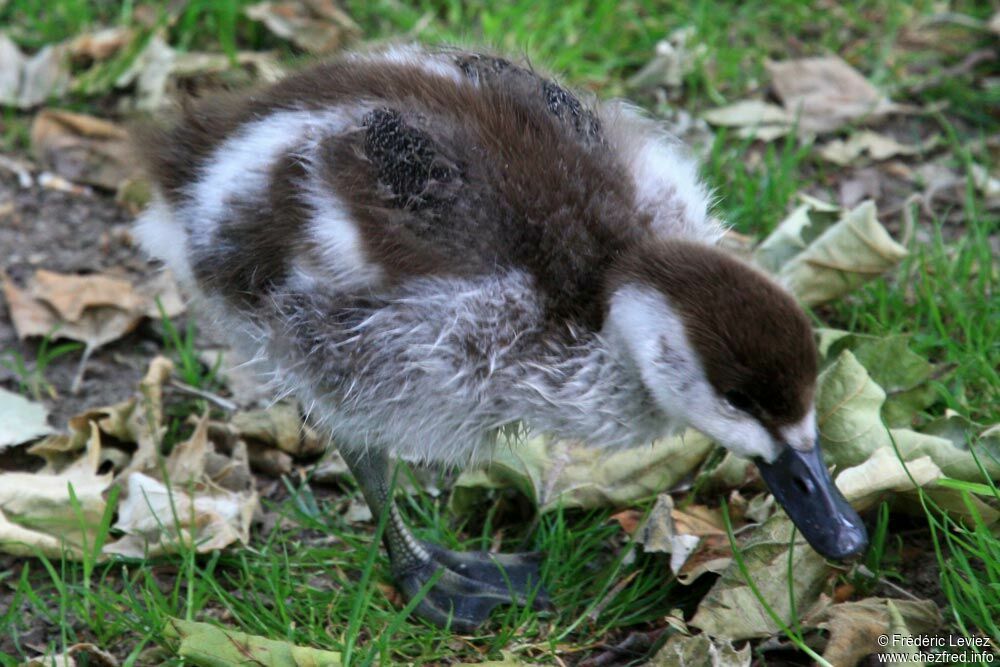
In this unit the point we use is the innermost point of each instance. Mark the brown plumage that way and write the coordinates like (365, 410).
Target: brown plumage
(430, 248)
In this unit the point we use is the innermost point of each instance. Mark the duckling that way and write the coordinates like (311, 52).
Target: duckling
(433, 247)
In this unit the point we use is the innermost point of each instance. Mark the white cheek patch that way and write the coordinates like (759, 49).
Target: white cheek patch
(802, 436)
(655, 337)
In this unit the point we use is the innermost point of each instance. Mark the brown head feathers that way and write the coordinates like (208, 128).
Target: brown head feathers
(754, 341)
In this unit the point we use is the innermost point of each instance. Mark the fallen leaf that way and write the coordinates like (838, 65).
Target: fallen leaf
(93, 657)
(862, 184)
(331, 469)
(94, 309)
(986, 182)
(51, 181)
(82, 148)
(316, 26)
(847, 254)
(794, 234)
(195, 511)
(158, 520)
(560, 473)
(211, 646)
(878, 147)
(70, 295)
(38, 514)
(713, 554)
(700, 651)
(939, 178)
(279, 426)
(150, 73)
(732, 610)
(848, 407)
(25, 81)
(673, 58)
(902, 374)
(11, 64)
(208, 504)
(19, 168)
(848, 411)
(358, 512)
(101, 44)
(856, 627)
(660, 533)
(825, 93)
(753, 118)
(158, 72)
(21, 420)
(864, 485)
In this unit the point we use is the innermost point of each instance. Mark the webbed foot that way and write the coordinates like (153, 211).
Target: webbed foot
(471, 585)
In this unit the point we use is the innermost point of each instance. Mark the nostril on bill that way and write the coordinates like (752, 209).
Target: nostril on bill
(805, 485)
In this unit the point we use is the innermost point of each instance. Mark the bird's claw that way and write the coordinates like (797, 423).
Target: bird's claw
(472, 584)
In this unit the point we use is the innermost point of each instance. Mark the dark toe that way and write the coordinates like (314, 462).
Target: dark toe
(455, 601)
(472, 585)
(514, 573)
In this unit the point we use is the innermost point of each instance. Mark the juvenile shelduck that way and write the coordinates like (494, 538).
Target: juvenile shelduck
(429, 247)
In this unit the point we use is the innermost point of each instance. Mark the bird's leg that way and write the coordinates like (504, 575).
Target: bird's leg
(471, 584)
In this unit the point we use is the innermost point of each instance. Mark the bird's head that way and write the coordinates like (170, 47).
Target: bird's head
(724, 349)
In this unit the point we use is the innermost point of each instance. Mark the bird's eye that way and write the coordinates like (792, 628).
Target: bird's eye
(739, 401)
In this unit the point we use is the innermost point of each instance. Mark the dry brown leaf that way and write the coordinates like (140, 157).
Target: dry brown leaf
(213, 495)
(714, 554)
(564, 473)
(94, 309)
(208, 504)
(71, 295)
(82, 148)
(825, 93)
(331, 469)
(138, 421)
(878, 146)
(95, 657)
(316, 26)
(699, 520)
(855, 627)
(100, 45)
(279, 426)
(629, 520)
(680, 533)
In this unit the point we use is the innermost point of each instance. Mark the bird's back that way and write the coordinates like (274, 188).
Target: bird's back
(372, 170)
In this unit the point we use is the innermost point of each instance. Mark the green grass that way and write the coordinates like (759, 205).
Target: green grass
(302, 582)
(30, 374)
(317, 578)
